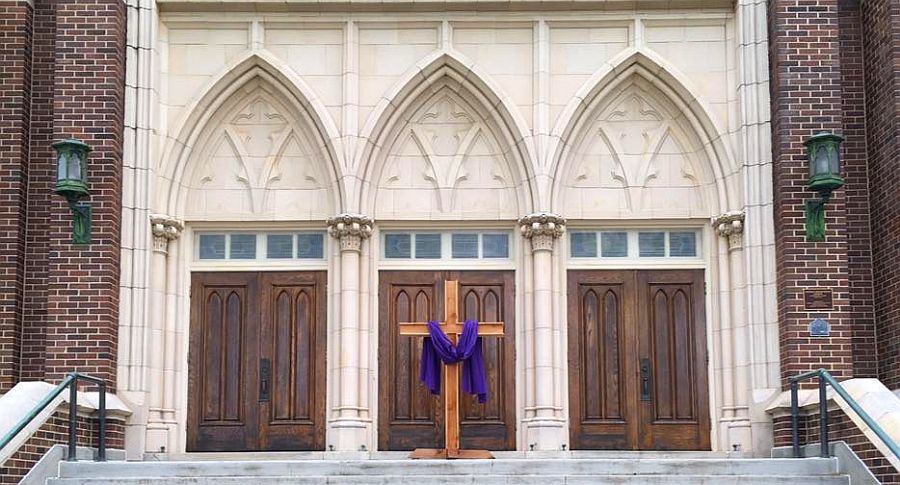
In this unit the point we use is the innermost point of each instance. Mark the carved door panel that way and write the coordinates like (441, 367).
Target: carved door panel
(603, 397)
(672, 342)
(409, 416)
(256, 362)
(490, 297)
(292, 367)
(637, 359)
(222, 366)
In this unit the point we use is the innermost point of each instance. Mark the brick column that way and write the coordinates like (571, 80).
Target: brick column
(806, 98)
(82, 281)
(16, 17)
(881, 46)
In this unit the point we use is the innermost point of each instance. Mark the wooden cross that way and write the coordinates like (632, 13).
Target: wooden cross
(453, 329)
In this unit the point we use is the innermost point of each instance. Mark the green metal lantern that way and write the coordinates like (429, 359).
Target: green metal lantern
(824, 153)
(72, 183)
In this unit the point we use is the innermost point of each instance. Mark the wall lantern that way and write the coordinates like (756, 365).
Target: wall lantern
(824, 152)
(71, 183)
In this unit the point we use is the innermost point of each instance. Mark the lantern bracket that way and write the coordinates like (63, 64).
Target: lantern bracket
(81, 222)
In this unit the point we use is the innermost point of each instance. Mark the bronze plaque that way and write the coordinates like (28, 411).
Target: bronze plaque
(819, 299)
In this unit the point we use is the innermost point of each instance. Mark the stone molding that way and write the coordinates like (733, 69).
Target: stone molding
(350, 230)
(730, 225)
(164, 229)
(542, 228)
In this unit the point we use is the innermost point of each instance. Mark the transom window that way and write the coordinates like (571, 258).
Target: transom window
(262, 246)
(445, 245)
(624, 244)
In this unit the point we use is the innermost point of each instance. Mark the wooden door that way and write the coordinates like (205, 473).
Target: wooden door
(672, 349)
(292, 364)
(409, 416)
(222, 364)
(603, 397)
(638, 360)
(256, 362)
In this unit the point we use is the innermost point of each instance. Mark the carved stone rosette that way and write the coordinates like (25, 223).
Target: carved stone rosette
(164, 229)
(350, 230)
(730, 225)
(542, 228)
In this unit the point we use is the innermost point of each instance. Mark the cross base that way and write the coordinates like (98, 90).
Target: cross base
(450, 454)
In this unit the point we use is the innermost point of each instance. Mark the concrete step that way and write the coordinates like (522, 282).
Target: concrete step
(468, 480)
(499, 467)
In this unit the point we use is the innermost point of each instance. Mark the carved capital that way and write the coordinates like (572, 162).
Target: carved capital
(730, 225)
(350, 230)
(542, 228)
(164, 229)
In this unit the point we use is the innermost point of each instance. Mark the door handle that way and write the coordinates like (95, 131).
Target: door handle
(265, 378)
(646, 379)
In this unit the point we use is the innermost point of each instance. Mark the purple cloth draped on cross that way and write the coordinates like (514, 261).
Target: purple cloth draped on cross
(438, 347)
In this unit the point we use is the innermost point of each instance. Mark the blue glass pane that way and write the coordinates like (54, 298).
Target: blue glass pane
(614, 244)
(682, 244)
(428, 246)
(279, 246)
(495, 245)
(310, 246)
(464, 245)
(397, 246)
(652, 244)
(212, 246)
(583, 244)
(243, 246)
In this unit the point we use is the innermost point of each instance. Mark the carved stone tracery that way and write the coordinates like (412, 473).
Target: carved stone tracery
(350, 230)
(542, 228)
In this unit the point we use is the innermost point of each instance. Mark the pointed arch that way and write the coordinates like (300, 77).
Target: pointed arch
(254, 69)
(449, 72)
(718, 166)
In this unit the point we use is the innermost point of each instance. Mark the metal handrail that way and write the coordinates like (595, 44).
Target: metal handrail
(71, 381)
(826, 379)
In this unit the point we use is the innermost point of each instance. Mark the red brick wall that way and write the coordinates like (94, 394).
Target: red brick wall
(856, 191)
(840, 428)
(71, 292)
(807, 98)
(881, 26)
(56, 431)
(16, 18)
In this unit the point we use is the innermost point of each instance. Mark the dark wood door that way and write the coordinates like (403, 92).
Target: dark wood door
(409, 416)
(256, 362)
(672, 347)
(638, 360)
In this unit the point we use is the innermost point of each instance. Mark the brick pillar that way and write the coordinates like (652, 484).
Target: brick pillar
(88, 96)
(881, 37)
(16, 18)
(856, 190)
(806, 98)
(40, 185)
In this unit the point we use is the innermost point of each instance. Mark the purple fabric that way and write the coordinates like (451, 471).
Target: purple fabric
(438, 347)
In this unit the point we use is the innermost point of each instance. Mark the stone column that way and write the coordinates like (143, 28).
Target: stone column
(349, 427)
(543, 420)
(736, 341)
(160, 416)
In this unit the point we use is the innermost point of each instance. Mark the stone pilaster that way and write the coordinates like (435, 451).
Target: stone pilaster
(544, 420)
(349, 427)
(161, 409)
(730, 225)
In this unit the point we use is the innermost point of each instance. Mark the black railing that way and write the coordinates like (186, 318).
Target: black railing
(825, 380)
(70, 382)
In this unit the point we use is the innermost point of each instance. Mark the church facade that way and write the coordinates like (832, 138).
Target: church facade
(276, 186)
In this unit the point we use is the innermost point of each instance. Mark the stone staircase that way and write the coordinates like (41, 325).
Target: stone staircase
(635, 470)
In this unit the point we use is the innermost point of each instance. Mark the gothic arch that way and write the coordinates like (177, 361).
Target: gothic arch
(447, 88)
(256, 77)
(679, 136)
